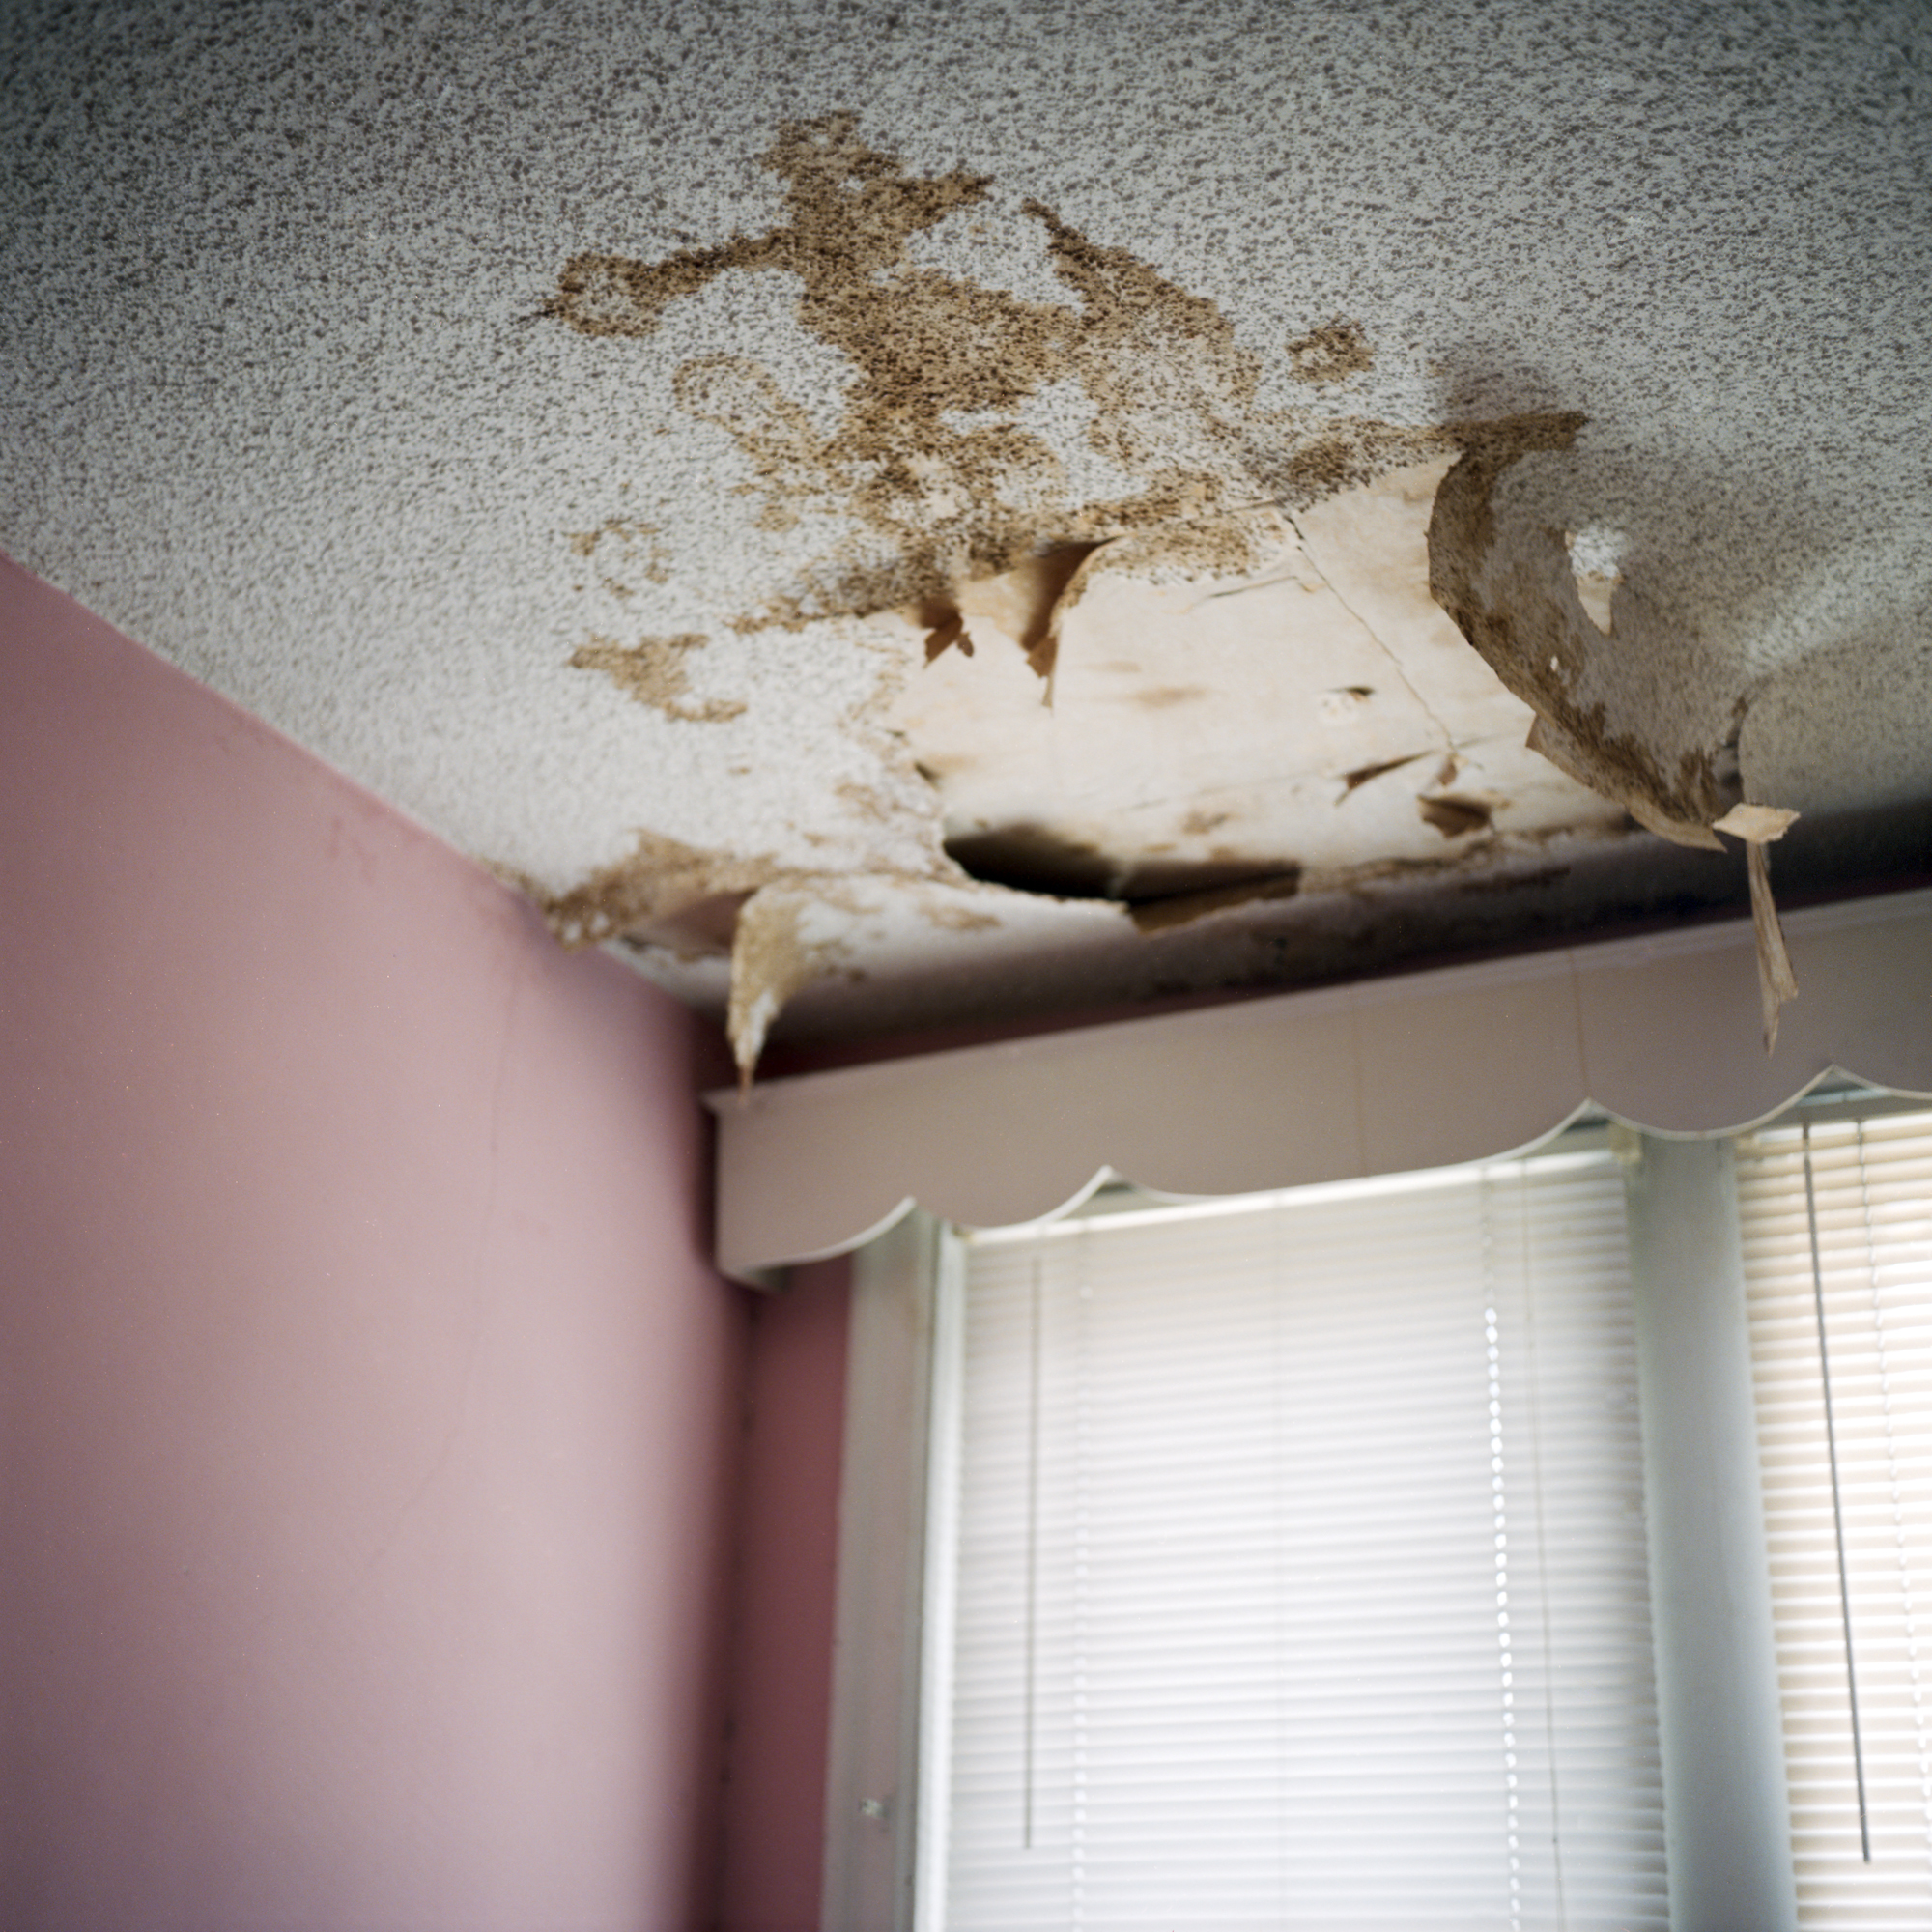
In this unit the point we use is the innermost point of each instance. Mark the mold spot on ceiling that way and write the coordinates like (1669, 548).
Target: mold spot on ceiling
(617, 545)
(653, 671)
(1330, 353)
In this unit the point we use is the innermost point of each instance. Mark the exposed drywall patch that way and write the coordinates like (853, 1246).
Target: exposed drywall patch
(1330, 353)
(1209, 718)
(653, 671)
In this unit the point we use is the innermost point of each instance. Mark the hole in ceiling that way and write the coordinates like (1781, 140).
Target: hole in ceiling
(1159, 893)
(1034, 859)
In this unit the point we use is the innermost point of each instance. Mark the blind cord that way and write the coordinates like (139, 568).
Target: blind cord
(1837, 1507)
(1032, 1560)
(1892, 1472)
(1505, 1636)
(1536, 1466)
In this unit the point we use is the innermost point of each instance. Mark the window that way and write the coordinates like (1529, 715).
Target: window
(1300, 1565)
(1284, 1559)
(1837, 1220)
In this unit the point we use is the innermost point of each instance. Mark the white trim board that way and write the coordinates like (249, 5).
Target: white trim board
(887, 1759)
(1384, 1077)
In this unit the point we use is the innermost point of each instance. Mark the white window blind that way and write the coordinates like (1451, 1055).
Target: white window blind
(1868, 1280)
(1300, 1574)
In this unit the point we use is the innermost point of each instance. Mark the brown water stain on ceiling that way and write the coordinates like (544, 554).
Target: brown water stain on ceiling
(663, 890)
(945, 503)
(654, 671)
(1330, 353)
(1249, 637)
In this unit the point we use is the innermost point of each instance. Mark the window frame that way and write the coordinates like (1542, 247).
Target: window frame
(885, 1835)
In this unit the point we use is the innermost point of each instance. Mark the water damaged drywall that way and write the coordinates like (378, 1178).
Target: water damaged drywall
(1160, 630)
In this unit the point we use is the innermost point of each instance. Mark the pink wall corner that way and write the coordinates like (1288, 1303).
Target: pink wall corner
(787, 1578)
(372, 1409)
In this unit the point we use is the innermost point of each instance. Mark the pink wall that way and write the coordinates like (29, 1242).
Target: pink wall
(781, 1659)
(372, 1411)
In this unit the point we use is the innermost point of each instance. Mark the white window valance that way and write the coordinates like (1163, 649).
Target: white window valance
(1381, 1077)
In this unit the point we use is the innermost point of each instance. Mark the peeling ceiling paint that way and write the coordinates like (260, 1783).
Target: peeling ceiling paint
(898, 514)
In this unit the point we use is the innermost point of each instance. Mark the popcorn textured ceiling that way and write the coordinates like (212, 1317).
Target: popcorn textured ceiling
(913, 513)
